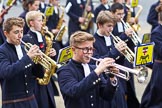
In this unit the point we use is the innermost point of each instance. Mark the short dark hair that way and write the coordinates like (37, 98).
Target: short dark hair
(25, 3)
(116, 6)
(10, 22)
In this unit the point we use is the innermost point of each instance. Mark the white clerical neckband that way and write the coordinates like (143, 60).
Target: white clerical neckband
(107, 39)
(19, 51)
(39, 35)
(86, 69)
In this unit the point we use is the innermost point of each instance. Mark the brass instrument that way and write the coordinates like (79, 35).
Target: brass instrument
(49, 41)
(88, 17)
(48, 64)
(61, 26)
(129, 13)
(44, 27)
(48, 36)
(136, 25)
(135, 38)
(129, 55)
(141, 75)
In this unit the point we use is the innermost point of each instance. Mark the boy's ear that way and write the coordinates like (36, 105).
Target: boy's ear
(5, 33)
(30, 24)
(73, 49)
(99, 25)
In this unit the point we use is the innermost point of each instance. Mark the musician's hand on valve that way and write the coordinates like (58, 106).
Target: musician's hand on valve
(52, 52)
(121, 46)
(81, 19)
(129, 32)
(103, 65)
(114, 69)
(34, 51)
(55, 31)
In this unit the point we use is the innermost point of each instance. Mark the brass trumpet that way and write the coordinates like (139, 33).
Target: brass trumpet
(129, 55)
(135, 38)
(141, 75)
(48, 64)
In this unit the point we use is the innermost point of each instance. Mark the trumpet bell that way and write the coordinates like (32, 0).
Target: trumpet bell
(141, 78)
(136, 27)
(143, 74)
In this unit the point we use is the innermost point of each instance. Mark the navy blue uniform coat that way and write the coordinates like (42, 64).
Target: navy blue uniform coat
(152, 17)
(152, 97)
(102, 51)
(129, 85)
(52, 22)
(44, 94)
(17, 77)
(74, 13)
(98, 9)
(26, 28)
(82, 92)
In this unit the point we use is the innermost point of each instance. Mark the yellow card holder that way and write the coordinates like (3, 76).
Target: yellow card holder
(65, 54)
(10, 2)
(146, 38)
(144, 54)
(49, 11)
(134, 3)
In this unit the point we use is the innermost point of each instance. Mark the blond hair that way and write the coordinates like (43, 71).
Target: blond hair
(80, 37)
(32, 15)
(105, 17)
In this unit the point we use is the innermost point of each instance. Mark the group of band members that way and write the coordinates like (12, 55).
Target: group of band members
(81, 82)
(19, 67)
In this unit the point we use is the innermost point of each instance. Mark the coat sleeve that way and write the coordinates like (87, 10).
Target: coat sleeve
(8, 69)
(156, 37)
(70, 86)
(70, 5)
(152, 17)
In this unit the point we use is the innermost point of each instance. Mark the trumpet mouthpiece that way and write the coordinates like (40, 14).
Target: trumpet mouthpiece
(95, 59)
